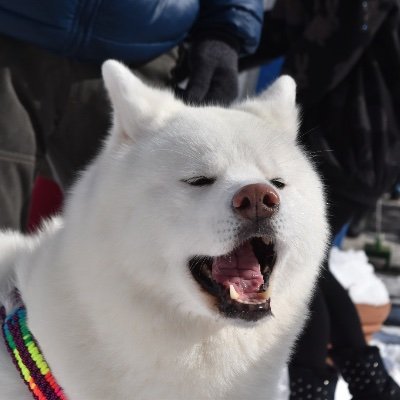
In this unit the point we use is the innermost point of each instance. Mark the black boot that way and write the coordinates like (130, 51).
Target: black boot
(312, 384)
(365, 374)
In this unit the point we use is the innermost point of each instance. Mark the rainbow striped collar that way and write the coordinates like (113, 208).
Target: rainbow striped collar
(28, 358)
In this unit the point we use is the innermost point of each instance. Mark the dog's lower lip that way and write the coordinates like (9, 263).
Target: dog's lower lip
(239, 301)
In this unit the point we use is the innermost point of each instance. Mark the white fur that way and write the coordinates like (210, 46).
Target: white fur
(109, 294)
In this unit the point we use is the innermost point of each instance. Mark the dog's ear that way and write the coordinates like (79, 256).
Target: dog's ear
(137, 107)
(277, 104)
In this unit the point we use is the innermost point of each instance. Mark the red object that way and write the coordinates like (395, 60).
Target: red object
(46, 201)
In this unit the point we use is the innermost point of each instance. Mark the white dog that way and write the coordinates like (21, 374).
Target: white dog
(186, 257)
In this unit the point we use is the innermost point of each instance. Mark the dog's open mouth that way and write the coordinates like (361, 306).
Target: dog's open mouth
(239, 280)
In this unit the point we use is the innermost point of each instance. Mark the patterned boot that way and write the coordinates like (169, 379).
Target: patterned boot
(312, 384)
(365, 374)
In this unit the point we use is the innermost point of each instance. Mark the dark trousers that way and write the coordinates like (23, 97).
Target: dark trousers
(54, 113)
(333, 316)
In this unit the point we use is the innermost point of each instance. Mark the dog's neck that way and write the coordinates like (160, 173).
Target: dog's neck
(27, 357)
(110, 329)
(123, 335)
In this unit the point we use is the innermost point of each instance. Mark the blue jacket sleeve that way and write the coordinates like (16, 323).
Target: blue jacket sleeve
(240, 19)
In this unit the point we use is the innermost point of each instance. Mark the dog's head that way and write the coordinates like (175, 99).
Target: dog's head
(218, 210)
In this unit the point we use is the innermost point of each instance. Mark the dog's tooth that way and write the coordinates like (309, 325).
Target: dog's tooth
(265, 295)
(267, 240)
(233, 293)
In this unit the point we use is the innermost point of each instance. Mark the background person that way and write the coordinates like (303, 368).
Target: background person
(53, 105)
(345, 58)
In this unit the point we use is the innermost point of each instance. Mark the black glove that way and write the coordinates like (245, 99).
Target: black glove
(212, 65)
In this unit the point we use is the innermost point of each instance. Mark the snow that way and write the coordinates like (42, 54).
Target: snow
(352, 270)
(392, 284)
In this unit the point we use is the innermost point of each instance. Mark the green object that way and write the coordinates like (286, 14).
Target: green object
(378, 253)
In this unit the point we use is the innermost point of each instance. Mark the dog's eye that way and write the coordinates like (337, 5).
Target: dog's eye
(199, 181)
(278, 183)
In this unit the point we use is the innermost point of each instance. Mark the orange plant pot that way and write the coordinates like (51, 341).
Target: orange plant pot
(372, 318)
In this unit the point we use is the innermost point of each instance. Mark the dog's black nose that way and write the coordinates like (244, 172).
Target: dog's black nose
(256, 201)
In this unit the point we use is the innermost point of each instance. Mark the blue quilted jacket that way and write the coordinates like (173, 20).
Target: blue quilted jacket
(130, 30)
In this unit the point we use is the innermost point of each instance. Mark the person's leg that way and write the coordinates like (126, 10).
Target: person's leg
(355, 360)
(309, 373)
(346, 328)
(311, 347)
(82, 127)
(33, 87)
(86, 116)
(311, 351)
(54, 107)
(346, 336)
(17, 155)
(360, 365)
(365, 373)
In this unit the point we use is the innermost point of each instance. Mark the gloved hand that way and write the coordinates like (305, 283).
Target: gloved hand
(212, 65)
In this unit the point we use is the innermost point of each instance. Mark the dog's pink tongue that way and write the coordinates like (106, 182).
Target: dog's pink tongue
(240, 269)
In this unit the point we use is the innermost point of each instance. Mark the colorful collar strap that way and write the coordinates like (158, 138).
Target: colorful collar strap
(28, 358)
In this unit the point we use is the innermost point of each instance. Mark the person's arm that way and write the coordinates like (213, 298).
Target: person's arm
(224, 29)
(237, 22)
